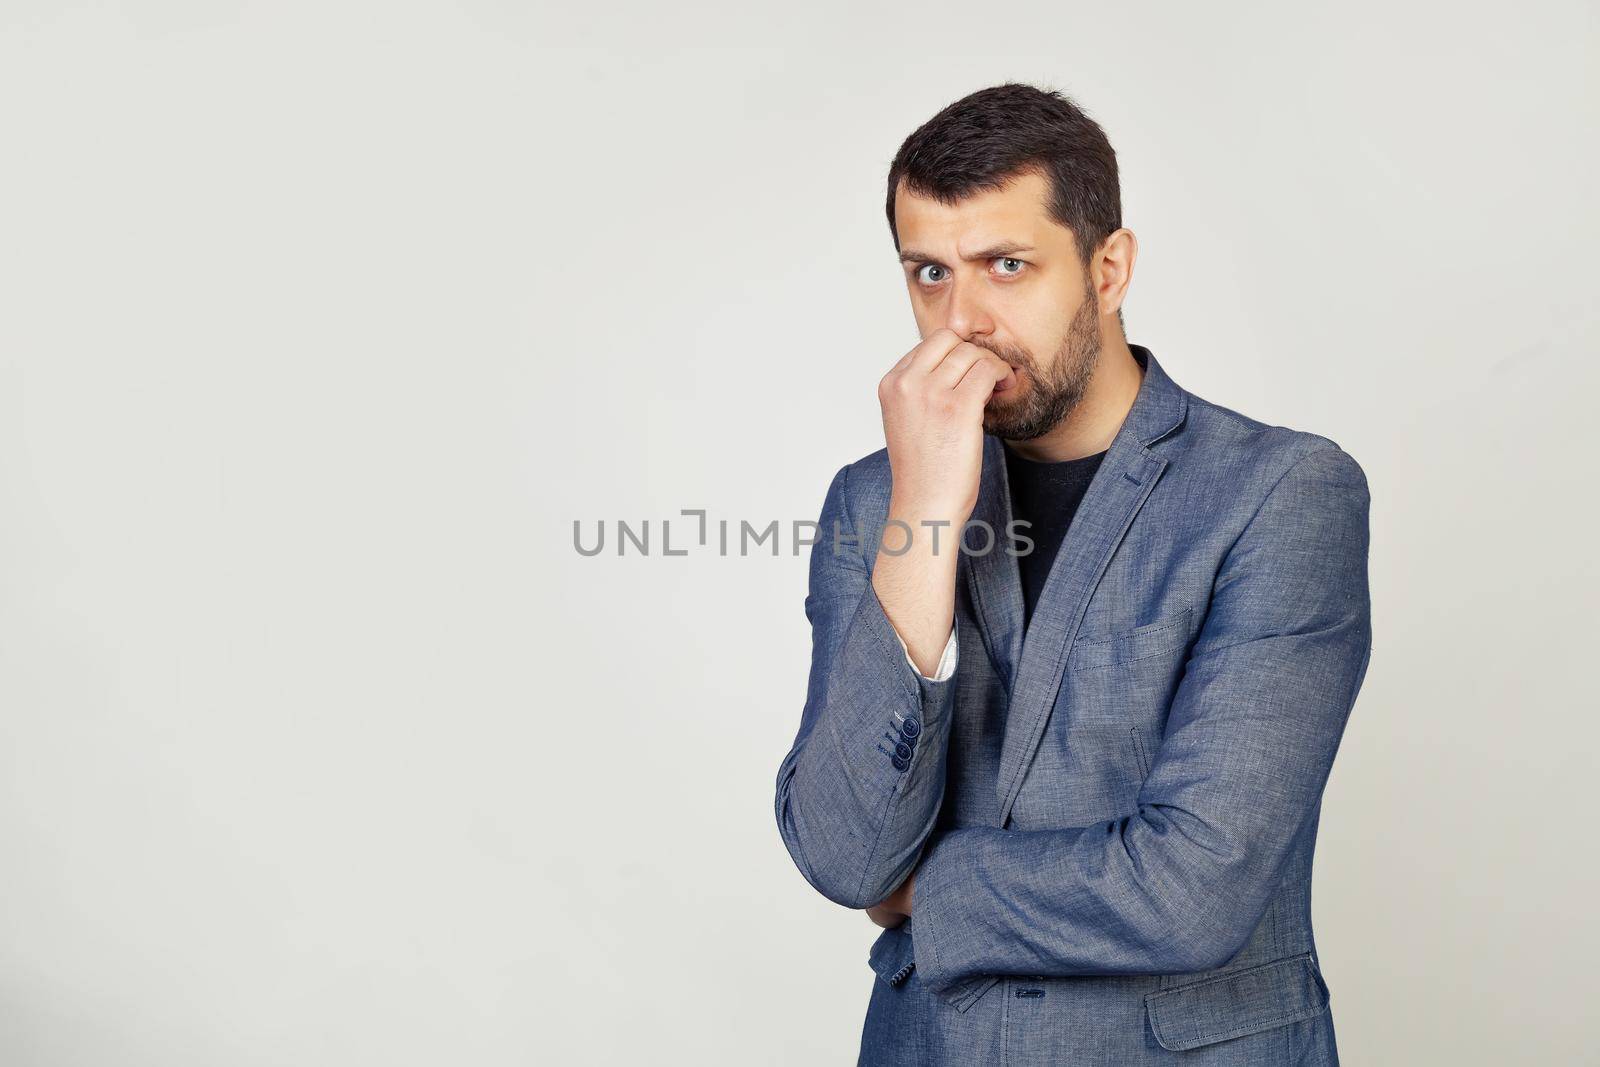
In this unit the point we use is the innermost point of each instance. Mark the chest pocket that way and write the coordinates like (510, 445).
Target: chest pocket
(1128, 678)
(1106, 725)
(1093, 651)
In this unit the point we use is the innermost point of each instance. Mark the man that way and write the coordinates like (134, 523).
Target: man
(1077, 777)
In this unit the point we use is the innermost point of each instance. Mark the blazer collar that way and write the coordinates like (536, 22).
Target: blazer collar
(1160, 405)
(1030, 663)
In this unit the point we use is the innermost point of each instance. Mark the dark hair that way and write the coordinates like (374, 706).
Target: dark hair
(985, 139)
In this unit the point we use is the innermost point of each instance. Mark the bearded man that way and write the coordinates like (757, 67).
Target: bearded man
(1076, 783)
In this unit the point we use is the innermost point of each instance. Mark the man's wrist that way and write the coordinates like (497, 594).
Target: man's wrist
(946, 667)
(932, 526)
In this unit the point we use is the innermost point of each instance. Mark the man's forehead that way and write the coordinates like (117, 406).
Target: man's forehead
(1018, 212)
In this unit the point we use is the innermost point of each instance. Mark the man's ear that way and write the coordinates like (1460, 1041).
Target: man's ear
(1111, 270)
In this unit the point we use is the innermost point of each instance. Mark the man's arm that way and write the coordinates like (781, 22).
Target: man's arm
(1179, 884)
(860, 789)
(859, 792)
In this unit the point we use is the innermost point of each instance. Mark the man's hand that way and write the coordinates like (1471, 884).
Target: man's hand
(933, 401)
(897, 909)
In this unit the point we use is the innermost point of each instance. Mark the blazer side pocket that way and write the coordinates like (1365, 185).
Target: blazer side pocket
(1246, 1001)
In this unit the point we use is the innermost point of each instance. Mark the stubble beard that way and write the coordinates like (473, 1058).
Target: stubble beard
(1052, 395)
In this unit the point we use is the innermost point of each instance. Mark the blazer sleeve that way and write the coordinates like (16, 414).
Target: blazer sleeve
(859, 792)
(1179, 884)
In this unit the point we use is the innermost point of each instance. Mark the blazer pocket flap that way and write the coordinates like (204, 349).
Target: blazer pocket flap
(1238, 1003)
(1152, 639)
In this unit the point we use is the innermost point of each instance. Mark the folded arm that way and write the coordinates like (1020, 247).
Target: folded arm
(1179, 884)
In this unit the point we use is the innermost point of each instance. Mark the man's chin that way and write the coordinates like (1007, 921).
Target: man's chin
(1003, 414)
(1015, 422)
(1010, 428)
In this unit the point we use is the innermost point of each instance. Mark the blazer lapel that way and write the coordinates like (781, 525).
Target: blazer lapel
(1118, 490)
(993, 579)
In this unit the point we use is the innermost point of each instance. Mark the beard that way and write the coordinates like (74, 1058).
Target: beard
(1053, 392)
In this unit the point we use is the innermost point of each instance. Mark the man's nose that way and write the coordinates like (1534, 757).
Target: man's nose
(966, 314)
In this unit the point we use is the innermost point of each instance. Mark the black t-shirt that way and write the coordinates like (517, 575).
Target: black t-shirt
(1046, 495)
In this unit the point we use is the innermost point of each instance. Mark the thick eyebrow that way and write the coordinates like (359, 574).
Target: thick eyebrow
(1004, 248)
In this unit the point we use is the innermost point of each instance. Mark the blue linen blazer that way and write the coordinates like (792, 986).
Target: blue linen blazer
(1113, 811)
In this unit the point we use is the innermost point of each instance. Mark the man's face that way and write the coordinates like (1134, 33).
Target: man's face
(999, 272)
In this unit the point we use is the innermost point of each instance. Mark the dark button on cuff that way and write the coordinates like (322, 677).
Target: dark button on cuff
(900, 764)
(910, 728)
(902, 750)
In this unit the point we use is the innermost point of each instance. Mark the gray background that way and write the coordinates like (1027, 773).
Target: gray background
(319, 743)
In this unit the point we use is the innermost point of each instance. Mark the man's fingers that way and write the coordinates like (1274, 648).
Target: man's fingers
(904, 361)
(925, 355)
(980, 379)
(932, 350)
(951, 369)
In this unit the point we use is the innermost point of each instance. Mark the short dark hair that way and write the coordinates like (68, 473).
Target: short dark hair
(987, 138)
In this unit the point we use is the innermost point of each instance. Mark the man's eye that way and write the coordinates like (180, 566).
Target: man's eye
(1016, 263)
(922, 273)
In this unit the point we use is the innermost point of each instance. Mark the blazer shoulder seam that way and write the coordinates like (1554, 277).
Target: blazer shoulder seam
(1290, 469)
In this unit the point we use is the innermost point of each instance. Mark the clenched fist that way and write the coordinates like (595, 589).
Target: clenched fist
(933, 401)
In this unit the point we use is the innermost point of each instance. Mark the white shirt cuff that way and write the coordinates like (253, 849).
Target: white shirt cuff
(947, 661)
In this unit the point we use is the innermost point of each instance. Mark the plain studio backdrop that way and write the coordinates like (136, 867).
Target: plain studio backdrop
(322, 323)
